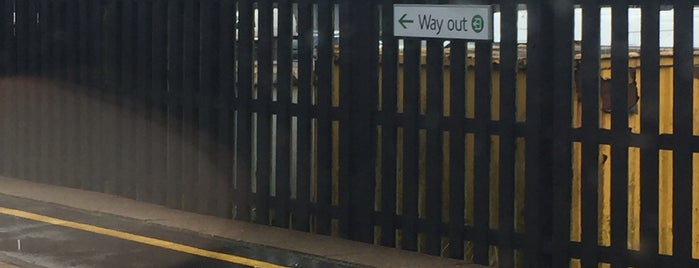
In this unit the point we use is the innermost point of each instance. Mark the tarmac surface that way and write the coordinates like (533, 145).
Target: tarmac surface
(50, 226)
(98, 240)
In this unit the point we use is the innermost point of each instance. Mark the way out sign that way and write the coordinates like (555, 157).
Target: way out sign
(472, 22)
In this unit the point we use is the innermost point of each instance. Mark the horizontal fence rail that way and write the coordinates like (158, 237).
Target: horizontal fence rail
(313, 115)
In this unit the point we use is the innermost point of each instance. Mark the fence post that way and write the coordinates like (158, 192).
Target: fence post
(561, 145)
(7, 65)
(361, 57)
(539, 134)
(6, 37)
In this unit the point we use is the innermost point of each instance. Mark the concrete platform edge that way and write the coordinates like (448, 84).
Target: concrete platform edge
(318, 245)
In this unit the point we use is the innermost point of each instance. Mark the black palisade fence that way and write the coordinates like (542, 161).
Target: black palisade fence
(311, 115)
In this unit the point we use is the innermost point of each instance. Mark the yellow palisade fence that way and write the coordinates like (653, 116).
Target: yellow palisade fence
(665, 157)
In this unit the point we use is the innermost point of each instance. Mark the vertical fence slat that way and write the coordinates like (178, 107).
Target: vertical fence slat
(244, 121)
(389, 71)
(24, 28)
(46, 10)
(620, 132)
(324, 71)
(535, 173)
(121, 117)
(22, 85)
(118, 118)
(77, 91)
(226, 146)
(30, 108)
(208, 88)
(141, 110)
(265, 79)
(21, 24)
(683, 103)
(508, 89)
(84, 126)
(283, 135)
(173, 197)
(71, 39)
(589, 97)
(6, 10)
(64, 91)
(8, 38)
(158, 109)
(32, 96)
(190, 91)
(303, 125)
(345, 146)
(33, 109)
(80, 92)
(22, 20)
(650, 92)
(57, 101)
(562, 123)
(44, 138)
(411, 109)
(457, 147)
(7, 66)
(157, 98)
(103, 20)
(190, 101)
(71, 120)
(11, 70)
(482, 150)
(364, 70)
(433, 165)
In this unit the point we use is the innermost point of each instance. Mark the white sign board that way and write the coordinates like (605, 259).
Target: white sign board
(472, 22)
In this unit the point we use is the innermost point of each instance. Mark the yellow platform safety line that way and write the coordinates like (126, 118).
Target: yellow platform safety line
(140, 239)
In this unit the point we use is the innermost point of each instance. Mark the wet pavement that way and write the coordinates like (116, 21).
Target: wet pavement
(171, 228)
(32, 243)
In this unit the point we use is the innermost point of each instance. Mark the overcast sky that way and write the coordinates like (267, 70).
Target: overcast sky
(666, 26)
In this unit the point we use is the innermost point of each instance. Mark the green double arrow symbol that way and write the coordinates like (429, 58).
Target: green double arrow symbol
(403, 21)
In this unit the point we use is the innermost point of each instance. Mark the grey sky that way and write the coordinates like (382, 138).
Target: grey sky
(666, 27)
